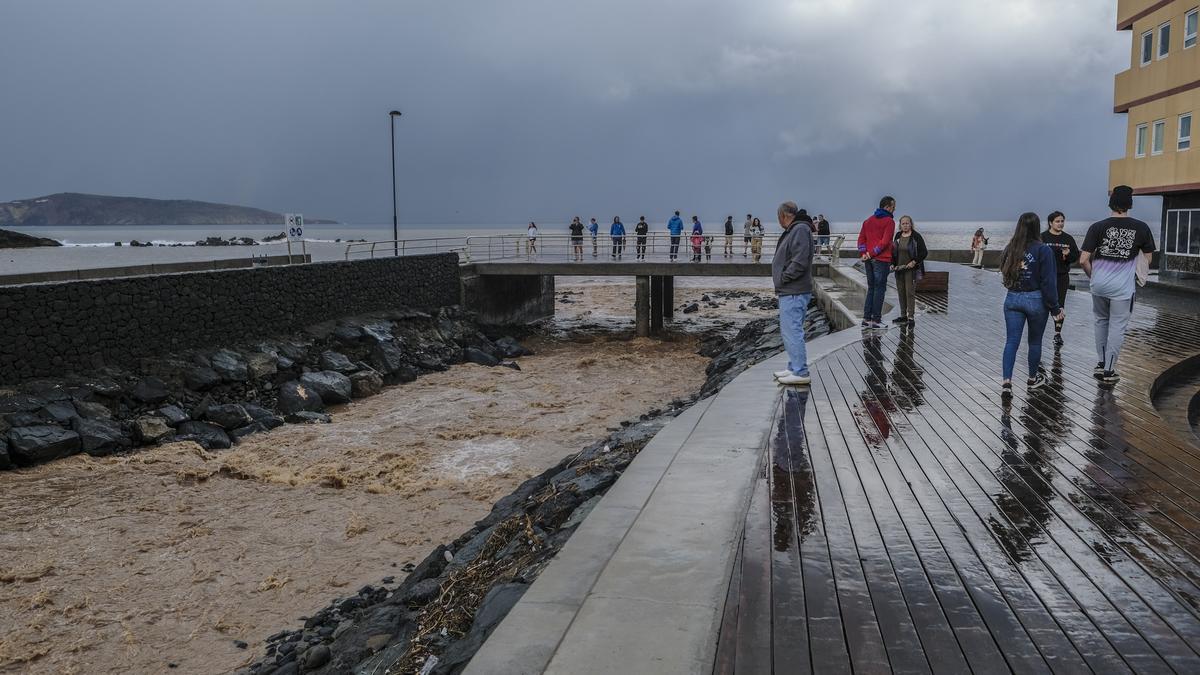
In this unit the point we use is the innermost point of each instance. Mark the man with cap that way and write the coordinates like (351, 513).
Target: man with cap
(1110, 256)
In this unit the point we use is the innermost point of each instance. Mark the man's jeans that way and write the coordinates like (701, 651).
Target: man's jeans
(1020, 308)
(792, 309)
(1112, 318)
(674, 246)
(877, 277)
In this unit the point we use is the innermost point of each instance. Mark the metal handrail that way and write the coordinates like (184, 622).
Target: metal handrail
(559, 246)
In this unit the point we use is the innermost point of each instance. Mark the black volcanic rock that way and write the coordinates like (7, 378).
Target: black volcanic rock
(10, 239)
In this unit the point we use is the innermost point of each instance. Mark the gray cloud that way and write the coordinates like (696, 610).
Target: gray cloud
(541, 109)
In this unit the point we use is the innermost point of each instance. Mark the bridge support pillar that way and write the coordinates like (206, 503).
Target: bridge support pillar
(656, 305)
(643, 306)
(668, 303)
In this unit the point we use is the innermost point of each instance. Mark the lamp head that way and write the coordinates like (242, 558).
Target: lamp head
(394, 113)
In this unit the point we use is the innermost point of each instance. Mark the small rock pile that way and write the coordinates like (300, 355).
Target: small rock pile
(217, 397)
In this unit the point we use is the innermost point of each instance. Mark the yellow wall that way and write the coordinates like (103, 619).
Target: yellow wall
(1130, 8)
(1172, 167)
(1180, 67)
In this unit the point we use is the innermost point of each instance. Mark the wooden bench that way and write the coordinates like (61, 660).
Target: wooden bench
(934, 282)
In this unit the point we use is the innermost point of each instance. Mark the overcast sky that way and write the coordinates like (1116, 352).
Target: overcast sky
(542, 109)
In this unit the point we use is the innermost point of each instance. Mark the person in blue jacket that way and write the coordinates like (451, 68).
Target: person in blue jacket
(594, 230)
(1030, 273)
(617, 232)
(675, 227)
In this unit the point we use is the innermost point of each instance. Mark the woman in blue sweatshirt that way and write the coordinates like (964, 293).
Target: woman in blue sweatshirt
(1029, 272)
(617, 232)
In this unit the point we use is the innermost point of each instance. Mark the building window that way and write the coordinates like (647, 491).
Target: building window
(1141, 140)
(1147, 47)
(1189, 28)
(1183, 233)
(1185, 131)
(1164, 41)
(1160, 130)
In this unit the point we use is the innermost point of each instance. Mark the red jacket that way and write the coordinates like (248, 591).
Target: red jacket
(875, 239)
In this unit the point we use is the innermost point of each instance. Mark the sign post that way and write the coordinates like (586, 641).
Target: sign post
(294, 224)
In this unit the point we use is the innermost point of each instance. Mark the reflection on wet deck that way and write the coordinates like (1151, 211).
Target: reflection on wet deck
(907, 520)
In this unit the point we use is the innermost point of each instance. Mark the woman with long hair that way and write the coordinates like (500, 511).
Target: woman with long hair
(756, 239)
(978, 245)
(909, 265)
(1029, 272)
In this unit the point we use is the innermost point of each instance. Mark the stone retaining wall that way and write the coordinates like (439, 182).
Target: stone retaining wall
(52, 329)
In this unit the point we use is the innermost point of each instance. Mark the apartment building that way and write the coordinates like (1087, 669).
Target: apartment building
(1159, 93)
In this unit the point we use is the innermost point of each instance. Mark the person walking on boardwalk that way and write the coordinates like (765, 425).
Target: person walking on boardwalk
(1110, 255)
(728, 252)
(594, 230)
(641, 230)
(1065, 252)
(978, 245)
(617, 232)
(675, 228)
(531, 239)
(791, 272)
(875, 249)
(697, 238)
(746, 238)
(756, 239)
(1029, 272)
(909, 266)
(577, 240)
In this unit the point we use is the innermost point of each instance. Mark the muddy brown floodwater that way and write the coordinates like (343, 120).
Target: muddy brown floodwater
(172, 555)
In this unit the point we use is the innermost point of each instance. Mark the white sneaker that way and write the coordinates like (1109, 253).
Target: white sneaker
(795, 380)
(781, 373)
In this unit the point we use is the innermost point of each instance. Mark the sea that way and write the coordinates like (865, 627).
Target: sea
(94, 246)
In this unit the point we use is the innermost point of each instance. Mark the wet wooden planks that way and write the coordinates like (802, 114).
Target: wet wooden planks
(909, 520)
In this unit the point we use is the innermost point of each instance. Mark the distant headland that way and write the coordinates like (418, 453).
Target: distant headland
(70, 208)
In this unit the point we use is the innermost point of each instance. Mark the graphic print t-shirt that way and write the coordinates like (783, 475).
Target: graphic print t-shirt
(1115, 244)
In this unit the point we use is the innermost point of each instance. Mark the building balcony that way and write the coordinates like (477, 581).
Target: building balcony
(1140, 85)
(1129, 11)
(1157, 174)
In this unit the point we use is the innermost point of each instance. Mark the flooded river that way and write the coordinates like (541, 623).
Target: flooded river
(175, 557)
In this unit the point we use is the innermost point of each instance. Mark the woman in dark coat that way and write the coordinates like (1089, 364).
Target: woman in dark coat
(909, 266)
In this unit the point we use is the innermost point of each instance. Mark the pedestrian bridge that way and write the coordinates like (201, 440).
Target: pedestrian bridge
(510, 279)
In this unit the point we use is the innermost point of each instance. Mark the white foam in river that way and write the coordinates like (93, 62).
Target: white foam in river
(479, 458)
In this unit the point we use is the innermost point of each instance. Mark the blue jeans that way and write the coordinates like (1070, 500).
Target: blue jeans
(792, 309)
(1019, 308)
(877, 277)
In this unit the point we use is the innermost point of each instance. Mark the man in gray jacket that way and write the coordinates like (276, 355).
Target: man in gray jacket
(791, 270)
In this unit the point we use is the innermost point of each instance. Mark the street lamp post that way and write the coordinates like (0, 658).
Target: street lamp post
(395, 219)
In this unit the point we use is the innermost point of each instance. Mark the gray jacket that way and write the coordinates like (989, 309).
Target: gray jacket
(791, 268)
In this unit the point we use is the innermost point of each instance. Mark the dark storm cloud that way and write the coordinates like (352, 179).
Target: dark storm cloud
(540, 109)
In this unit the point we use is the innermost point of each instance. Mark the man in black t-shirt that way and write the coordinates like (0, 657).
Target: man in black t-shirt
(641, 230)
(1111, 252)
(729, 237)
(577, 239)
(1066, 252)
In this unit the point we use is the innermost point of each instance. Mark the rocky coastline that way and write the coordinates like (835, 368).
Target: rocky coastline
(436, 618)
(10, 239)
(217, 397)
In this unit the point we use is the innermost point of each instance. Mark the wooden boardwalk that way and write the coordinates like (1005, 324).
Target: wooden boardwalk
(906, 520)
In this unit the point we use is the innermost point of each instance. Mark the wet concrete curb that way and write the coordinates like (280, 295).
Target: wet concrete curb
(649, 567)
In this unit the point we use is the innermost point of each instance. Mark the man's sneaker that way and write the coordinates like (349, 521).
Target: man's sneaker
(795, 380)
(900, 321)
(1058, 341)
(1006, 390)
(781, 373)
(1110, 377)
(1098, 369)
(866, 325)
(1038, 381)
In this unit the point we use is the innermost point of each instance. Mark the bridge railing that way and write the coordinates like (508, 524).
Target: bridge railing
(565, 247)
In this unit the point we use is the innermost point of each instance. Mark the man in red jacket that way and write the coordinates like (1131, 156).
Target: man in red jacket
(875, 249)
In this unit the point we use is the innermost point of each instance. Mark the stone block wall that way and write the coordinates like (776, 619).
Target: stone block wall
(53, 329)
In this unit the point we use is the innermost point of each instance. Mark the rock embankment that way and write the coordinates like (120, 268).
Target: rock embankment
(10, 239)
(217, 397)
(437, 618)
